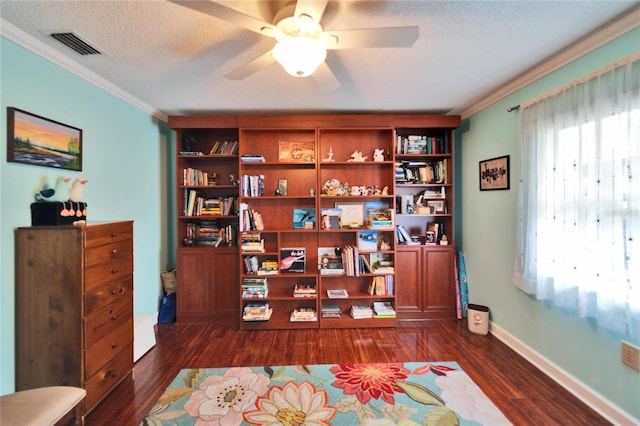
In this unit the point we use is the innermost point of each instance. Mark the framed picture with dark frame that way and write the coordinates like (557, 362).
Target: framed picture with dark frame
(32, 139)
(494, 173)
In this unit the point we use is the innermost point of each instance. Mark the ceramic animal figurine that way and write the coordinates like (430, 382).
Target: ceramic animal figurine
(77, 190)
(60, 192)
(357, 157)
(378, 155)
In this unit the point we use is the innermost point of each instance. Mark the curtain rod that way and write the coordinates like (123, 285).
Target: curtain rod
(600, 71)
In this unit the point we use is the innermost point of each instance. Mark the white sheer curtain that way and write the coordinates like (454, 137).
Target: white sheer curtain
(579, 198)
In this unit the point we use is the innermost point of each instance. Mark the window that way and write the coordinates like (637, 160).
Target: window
(579, 200)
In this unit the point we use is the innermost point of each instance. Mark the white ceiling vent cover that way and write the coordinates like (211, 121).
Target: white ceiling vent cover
(76, 43)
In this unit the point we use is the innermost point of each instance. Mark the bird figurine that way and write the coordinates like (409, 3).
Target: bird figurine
(61, 189)
(77, 190)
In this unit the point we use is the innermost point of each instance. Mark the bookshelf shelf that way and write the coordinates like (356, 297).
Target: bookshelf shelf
(278, 173)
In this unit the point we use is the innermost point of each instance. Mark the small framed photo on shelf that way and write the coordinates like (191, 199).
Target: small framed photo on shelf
(352, 214)
(436, 206)
(494, 173)
(283, 186)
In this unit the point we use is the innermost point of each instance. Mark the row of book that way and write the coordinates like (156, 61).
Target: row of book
(249, 219)
(194, 177)
(252, 158)
(382, 285)
(224, 148)
(252, 185)
(263, 312)
(422, 144)
(421, 172)
(195, 205)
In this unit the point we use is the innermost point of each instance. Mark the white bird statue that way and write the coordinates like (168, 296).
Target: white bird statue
(61, 189)
(77, 190)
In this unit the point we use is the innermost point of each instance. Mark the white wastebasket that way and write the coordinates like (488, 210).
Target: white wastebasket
(478, 319)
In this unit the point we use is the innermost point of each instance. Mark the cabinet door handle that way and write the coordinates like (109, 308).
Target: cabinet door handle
(110, 374)
(114, 345)
(114, 317)
(114, 291)
(114, 271)
(114, 235)
(114, 252)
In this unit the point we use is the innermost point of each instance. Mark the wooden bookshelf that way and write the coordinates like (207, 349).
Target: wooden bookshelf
(288, 164)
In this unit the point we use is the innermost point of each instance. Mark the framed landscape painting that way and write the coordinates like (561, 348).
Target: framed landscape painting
(32, 139)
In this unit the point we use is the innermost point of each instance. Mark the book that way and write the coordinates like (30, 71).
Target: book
(337, 293)
(293, 260)
(330, 261)
(331, 311)
(331, 218)
(303, 315)
(304, 218)
(304, 290)
(383, 310)
(368, 240)
(361, 312)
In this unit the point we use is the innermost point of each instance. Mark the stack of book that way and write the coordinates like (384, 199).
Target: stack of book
(252, 158)
(256, 312)
(337, 294)
(331, 311)
(254, 288)
(268, 267)
(303, 315)
(383, 310)
(211, 207)
(361, 312)
(382, 263)
(208, 234)
(330, 261)
(303, 290)
(252, 242)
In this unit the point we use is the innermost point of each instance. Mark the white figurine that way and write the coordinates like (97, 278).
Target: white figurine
(378, 155)
(330, 156)
(357, 157)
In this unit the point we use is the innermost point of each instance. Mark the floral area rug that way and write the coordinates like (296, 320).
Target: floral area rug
(350, 394)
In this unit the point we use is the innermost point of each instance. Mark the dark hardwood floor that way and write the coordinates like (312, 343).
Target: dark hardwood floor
(524, 394)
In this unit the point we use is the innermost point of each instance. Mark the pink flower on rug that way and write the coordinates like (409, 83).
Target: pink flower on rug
(221, 400)
(368, 381)
(292, 405)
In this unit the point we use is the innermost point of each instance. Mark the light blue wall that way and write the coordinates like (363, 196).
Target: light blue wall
(124, 159)
(582, 349)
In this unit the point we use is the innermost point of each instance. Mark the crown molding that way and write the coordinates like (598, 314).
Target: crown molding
(608, 32)
(16, 35)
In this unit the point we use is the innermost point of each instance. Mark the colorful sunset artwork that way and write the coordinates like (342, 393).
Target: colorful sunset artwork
(40, 141)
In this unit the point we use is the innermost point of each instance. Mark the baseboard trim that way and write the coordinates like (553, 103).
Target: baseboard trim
(602, 405)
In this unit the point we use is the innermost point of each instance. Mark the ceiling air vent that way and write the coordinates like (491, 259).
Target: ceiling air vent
(76, 43)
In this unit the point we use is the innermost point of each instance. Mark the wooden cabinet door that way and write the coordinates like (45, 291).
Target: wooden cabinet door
(409, 282)
(439, 281)
(193, 289)
(224, 292)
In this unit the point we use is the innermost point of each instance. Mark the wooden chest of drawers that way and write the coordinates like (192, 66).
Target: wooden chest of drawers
(74, 307)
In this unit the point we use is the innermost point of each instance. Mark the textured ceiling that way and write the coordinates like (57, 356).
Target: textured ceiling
(174, 59)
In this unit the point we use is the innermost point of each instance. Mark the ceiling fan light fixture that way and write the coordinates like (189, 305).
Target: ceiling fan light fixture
(299, 56)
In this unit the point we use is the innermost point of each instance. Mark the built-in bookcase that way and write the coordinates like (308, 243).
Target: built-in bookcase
(316, 201)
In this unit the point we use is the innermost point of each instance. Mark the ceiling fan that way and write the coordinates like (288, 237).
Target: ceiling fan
(301, 42)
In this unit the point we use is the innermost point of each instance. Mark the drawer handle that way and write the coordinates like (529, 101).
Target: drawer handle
(114, 251)
(114, 271)
(114, 345)
(114, 317)
(114, 235)
(114, 291)
(110, 374)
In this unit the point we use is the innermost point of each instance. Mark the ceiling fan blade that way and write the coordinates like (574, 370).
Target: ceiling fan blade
(372, 37)
(227, 14)
(249, 68)
(325, 78)
(312, 8)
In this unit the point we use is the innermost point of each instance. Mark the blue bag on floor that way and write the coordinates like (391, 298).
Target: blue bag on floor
(167, 309)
